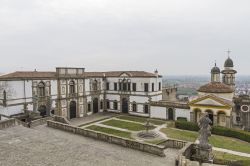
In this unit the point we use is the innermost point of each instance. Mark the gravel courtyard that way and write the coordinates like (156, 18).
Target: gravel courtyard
(42, 146)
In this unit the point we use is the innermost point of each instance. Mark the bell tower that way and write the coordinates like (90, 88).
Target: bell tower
(215, 74)
(229, 73)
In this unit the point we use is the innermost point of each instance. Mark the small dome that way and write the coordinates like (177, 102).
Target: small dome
(229, 62)
(215, 87)
(215, 70)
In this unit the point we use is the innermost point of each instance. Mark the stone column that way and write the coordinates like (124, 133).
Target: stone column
(215, 120)
(228, 121)
(192, 116)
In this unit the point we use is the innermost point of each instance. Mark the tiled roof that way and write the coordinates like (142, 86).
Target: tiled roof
(28, 74)
(52, 75)
(216, 87)
(119, 73)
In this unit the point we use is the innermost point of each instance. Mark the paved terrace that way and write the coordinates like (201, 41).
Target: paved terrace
(43, 146)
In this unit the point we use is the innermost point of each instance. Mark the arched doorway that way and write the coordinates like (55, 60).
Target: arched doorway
(72, 109)
(210, 115)
(197, 115)
(95, 105)
(170, 114)
(124, 105)
(43, 110)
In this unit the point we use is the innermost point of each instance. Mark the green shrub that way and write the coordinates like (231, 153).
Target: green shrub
(186, 125)
(242, 135)
(217, 130)
(182, 119)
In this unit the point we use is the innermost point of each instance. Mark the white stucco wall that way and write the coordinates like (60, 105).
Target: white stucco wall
(185, 113)
(158, 112)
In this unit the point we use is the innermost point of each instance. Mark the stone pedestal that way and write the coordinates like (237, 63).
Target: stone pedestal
(203, 155)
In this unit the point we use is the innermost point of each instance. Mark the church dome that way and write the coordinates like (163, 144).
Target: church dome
(215, 87)
(215, 70)
(229, 62)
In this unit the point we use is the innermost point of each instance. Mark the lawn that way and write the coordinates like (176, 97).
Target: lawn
(125, 125)
(114, 132)
(215, 140)
(227, 156)
(230, 157)
(142, 120)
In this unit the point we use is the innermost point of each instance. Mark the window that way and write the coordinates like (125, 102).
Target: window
(89, 107)
(146, 109)
(115, 106)
(159, 86)
(129, 88)
(153, 87)
(71, 87)
(115, 86)
(101, 105)
(124, 86)
(41, 89)
(145, 87)
(134, 109)
(108, 104)
(134, 87)
(94, 85)
(120, 86)
(107, 86)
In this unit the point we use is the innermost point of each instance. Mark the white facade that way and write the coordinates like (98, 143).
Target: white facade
(122, 92)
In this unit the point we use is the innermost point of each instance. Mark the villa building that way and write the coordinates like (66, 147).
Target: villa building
(72, 92)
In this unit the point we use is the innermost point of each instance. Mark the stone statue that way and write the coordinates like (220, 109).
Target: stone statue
(203, 150)
(205, 132)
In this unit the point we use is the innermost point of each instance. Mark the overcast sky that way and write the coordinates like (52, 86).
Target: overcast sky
(178, 37)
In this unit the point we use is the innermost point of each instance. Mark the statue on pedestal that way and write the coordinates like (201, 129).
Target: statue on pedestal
(203, 150)
(205, 132)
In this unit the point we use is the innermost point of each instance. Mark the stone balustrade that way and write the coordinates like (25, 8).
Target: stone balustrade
(145, 147)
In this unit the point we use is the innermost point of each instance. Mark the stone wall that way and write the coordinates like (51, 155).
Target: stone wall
(61, 119)
(184, 156)
(39, 122)
(149, 148)
(175, 144)
(14, 122)
(8, 123)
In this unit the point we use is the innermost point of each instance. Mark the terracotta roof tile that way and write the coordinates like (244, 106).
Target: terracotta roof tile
(28, 74)
(216, 87)
(52, 75)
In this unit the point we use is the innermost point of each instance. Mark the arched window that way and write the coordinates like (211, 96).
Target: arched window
(94, 85)
(71, 87)
(41, 89)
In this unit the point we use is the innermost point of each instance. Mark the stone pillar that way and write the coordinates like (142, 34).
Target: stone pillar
(192, 116)
(215, 120)
(228, 121)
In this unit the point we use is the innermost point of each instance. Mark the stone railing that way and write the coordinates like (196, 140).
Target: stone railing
(163, 103)
(145, 147)
(39, 122)
(183, 158)
(61, 119)
(8, 123)
(14, 122)
(173, 143)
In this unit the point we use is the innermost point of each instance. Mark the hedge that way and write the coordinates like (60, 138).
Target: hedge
(217, 130)
(182, 119)
(242, 135)
(186, 125)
